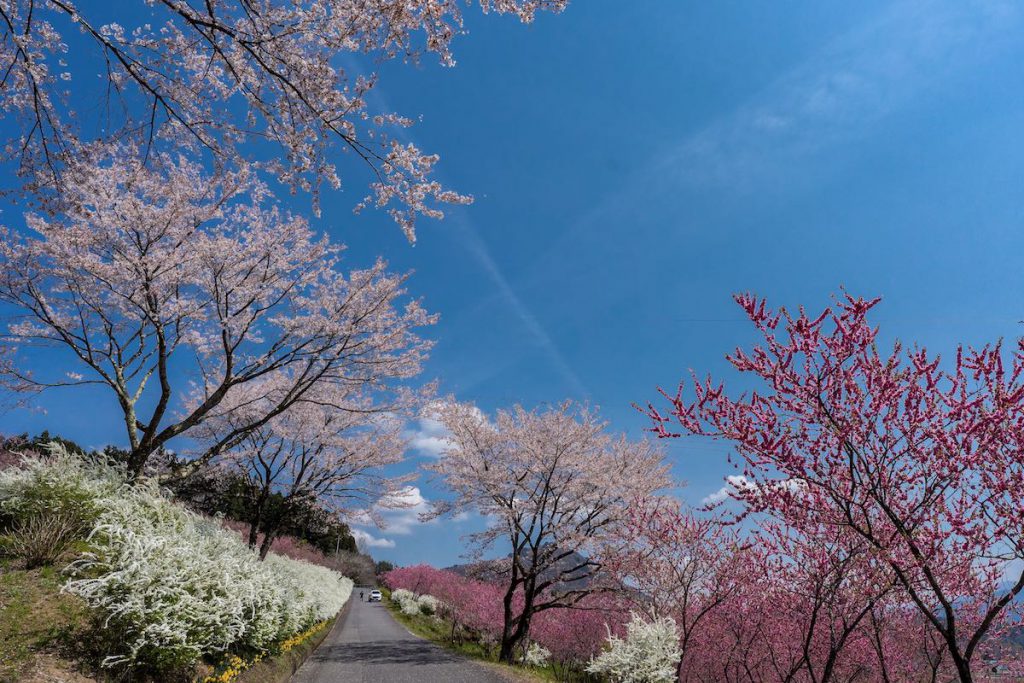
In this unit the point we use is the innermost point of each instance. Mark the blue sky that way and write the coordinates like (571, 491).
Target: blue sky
(634, 164)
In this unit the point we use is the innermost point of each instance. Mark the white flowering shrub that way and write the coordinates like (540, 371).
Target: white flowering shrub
(536, 655)
(412, 604)
(174, 586)
(648, 654)
(317, 592)
(407, 601)
(428, 604)
(400, 594)
(61, 484)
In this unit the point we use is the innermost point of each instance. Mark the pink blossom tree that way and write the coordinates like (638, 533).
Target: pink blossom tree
(469, 604)
(213, 75)
(175, 289)
(572, 635)
(576, 634)
(327, 450)
(555, 487)
(676, 563)
(920, 461)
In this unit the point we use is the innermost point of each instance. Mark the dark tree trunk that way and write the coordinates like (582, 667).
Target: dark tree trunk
(257, 518)
(512, 637)
(137, 463)
(254, 532)
(268, 540)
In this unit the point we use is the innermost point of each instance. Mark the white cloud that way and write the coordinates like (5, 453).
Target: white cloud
(428, 437)
(733, 484)
(395, 515)
(400, 513)
(737, 483)
(365, 539)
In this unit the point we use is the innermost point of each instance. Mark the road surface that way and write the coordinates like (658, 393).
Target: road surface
(369, 646)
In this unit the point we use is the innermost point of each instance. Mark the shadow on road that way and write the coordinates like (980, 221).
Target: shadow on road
(386, 652)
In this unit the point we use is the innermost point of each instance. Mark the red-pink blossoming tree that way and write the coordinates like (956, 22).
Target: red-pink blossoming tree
(474, 607)
(923, 462)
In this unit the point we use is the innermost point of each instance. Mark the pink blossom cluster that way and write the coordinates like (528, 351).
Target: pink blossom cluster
(882, 491)
(572, 635)
(289, 546)
(468, 603)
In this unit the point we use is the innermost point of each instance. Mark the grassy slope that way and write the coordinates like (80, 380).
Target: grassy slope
(37, 623)
(439, 632)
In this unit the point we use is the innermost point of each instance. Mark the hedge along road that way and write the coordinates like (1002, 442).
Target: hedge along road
(368, 646)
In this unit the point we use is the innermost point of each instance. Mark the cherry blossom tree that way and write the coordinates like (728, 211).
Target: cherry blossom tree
(555, 487)
(326, 450)
(175, 289)
(213, 75)
(918, 459)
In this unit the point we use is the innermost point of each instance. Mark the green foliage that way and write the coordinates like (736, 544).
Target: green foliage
(35, 615)
(231, 495)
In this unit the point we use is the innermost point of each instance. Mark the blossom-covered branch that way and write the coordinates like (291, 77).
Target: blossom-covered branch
(920, 462)
(214, 75)
(164, 283)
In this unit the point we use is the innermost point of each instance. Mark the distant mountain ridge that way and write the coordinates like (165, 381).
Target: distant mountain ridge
(492, 571)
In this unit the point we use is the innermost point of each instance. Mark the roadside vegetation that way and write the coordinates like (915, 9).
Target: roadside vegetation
(437, 629)
(115, 580)
(465, 614)
(165, 251)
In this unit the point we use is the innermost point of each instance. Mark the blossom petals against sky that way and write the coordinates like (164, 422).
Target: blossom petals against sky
(635, 164)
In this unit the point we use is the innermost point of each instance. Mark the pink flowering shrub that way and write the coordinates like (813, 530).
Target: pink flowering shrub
(474, 608)
(289, 546)
(576, 634)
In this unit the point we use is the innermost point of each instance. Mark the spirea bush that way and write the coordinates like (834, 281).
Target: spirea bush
(407, 601)
(428, 604)
(536, 655)
(412, 604)
(167, 585)
(59, 483)
(175, 586)
(648, 654)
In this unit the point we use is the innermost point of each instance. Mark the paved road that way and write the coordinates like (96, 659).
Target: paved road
(369, 646)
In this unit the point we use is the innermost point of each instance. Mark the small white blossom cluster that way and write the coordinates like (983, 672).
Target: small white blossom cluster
(536, 655)
(648, 654)
(412, 604)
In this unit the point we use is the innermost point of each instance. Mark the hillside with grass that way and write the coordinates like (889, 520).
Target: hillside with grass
(102, 579)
